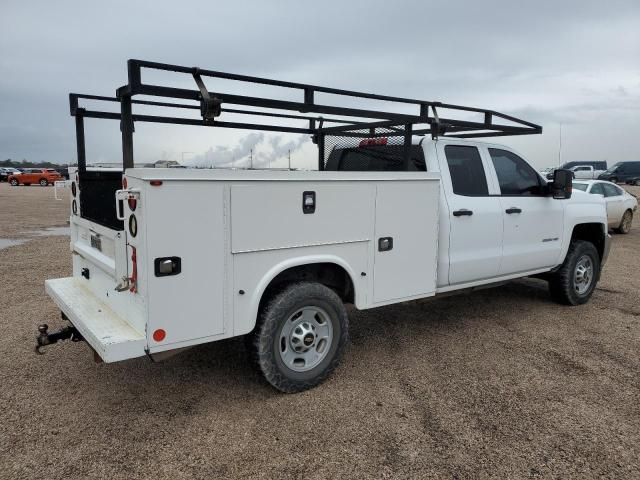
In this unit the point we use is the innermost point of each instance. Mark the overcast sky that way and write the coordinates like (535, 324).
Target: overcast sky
(572, 63)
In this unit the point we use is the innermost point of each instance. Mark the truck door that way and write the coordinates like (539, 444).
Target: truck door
(532, 221)
(474, 217)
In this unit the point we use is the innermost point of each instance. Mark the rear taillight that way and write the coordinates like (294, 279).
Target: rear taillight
(124, 183)
(133, 203)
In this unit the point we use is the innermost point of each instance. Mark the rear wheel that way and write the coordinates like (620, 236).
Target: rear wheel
(625, 223)
(43, 182)
(575, 281)
(300, 336)
(14, 182)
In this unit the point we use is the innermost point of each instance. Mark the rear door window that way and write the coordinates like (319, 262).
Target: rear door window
(597, 189)
(611, 190)
(467, 172)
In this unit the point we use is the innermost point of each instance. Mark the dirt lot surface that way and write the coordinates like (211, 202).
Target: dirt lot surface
(501, 383)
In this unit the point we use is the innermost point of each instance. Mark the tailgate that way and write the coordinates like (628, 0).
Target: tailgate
(110, 336)
(110, 318)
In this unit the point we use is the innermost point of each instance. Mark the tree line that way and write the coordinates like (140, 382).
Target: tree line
(8, 163)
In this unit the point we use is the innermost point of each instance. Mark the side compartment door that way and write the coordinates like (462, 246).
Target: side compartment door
(533, 222)
(475, 217)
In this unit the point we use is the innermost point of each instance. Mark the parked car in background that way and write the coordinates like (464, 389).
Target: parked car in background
(5, 172)
(546, 171)
(621, 205)
(597, 165)
(586, 172)
(41, 176)
(621, 172)
(64, 172)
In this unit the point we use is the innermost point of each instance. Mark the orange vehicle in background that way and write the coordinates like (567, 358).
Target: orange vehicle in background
(41, 176)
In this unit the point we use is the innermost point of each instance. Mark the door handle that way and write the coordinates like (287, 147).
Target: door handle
(513, 210)
(462, 212)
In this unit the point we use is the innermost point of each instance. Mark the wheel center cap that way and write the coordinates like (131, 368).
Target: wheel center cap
(308, 339)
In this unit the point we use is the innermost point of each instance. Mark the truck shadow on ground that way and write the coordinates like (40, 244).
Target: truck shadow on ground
(221, 370)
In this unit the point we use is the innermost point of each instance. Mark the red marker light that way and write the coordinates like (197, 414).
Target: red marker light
(155, 183)
(133, 203)
(374, 141)
(124, 183)
(159, 335)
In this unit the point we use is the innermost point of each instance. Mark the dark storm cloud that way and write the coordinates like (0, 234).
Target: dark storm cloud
(574, 63)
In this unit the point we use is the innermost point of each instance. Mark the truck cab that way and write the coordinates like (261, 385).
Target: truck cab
(498, 219)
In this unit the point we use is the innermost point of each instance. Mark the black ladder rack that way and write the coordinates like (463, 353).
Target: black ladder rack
(363, 123)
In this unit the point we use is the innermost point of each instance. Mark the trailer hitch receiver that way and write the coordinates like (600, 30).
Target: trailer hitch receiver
(46, 338)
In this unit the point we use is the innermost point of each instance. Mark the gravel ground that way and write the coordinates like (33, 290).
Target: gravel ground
(501, 383)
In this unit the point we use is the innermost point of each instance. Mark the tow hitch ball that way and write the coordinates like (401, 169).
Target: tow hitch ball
(46, 338)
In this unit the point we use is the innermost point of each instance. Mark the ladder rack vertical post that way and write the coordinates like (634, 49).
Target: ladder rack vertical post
(80, 145)
(126, 127)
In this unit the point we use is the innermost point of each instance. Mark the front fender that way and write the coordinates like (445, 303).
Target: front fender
(579, 214)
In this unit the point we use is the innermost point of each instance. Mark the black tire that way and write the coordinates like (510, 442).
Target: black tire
(265, 341)
(14, 182)
(562, 283)
(625, 223)
(636, 182)
(613, 180)
(43, 182)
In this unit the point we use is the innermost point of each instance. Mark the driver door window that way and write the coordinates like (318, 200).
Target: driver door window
(515, 176)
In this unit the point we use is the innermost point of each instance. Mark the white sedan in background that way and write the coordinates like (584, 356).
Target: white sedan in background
(620, 204)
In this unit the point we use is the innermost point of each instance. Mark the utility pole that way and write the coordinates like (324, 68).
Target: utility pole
(251, 159)
(560, 148)
(289, 159)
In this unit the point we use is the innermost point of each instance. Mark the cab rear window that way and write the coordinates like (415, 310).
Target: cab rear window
(375, 158)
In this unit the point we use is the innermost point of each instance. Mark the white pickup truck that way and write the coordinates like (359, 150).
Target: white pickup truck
(585, 172)
(195, 256)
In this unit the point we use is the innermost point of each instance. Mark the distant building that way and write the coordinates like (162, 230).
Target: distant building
(165, 164)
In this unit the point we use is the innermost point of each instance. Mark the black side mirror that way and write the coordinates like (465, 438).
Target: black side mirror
(562, 184)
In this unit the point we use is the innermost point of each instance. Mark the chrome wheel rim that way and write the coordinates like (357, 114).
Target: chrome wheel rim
(583, 276)
(305, 338)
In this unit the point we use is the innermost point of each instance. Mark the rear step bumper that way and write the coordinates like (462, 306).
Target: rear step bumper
(109, 335)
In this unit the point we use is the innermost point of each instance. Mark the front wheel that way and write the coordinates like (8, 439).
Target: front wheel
(614, 180)
(300, 336)
(637, 182)
(14, 182)
(625, 223)
(575, 281)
